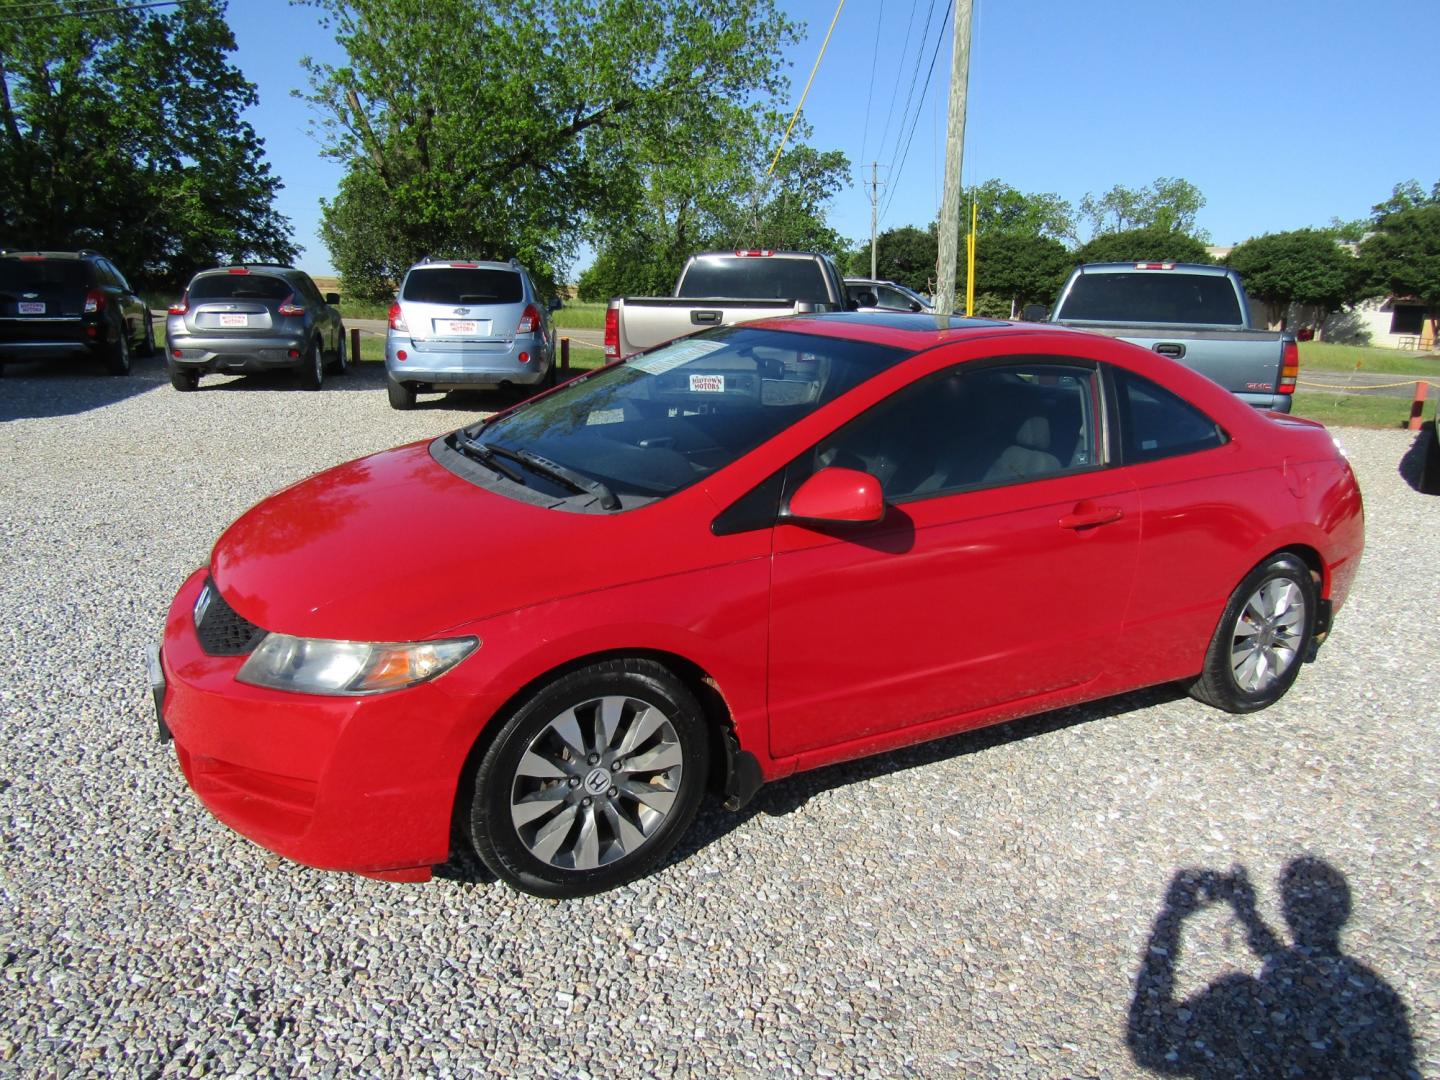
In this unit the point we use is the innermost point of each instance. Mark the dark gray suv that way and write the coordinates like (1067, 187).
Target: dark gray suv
(239, 320)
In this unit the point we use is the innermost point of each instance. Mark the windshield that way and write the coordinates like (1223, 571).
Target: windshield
(759, 277)
(462, 285)
(1153, 296)
(667, 418)
(240, 287)
(17, 274)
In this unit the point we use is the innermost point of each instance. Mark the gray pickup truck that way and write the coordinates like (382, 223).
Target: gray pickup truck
(1195, 314)
(721, 288)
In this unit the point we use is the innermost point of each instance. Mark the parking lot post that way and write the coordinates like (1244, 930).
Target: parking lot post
(565, 355)
(354, 345)
(1417, 407)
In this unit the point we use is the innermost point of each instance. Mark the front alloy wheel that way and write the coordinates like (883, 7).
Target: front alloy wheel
(592, 781)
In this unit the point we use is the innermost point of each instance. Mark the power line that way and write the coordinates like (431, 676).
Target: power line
(870, 94)
(914, 74)
(895, 174)
(806, 92)
(899, 69)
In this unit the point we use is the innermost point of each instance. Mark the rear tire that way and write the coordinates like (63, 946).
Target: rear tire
(1263, 637)
(401, 395)
(147, 343)
(312, 368)
(184, 379)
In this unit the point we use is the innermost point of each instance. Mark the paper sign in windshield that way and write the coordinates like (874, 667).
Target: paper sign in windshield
(707, 384)
(670, 357)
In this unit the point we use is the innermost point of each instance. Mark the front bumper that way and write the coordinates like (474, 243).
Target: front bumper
(235, 355)
(365, 784)
(456, 365)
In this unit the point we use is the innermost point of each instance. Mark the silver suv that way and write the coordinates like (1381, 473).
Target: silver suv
(239, 320)
(467, 325)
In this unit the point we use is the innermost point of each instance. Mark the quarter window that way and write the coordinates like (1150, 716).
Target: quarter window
(971, 428)
(1155, 424)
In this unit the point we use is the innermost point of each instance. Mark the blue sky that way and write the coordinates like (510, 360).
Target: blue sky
(1284, 114)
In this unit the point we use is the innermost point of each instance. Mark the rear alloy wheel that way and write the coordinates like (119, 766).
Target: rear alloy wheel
(401, 395)
(1263, 637)
(592, 781)
(117, 356)
(312, 368)
(184, 379)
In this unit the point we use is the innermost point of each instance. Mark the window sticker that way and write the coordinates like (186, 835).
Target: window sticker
(670, 357)
(707, 384)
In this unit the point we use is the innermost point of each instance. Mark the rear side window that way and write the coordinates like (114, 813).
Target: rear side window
(1155, 424)
(1159, 296)
(21, 274)
(463, 285)
(240, 287)
(755, 278)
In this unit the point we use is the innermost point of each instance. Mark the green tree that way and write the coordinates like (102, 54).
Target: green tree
(905, 255)
(1143, 245)
(505, 127)
(121, 129)
(1167, 204)
(1002, 210)
(1018, 269)
(1402, 258)
(1305, 266)
(1407, 195)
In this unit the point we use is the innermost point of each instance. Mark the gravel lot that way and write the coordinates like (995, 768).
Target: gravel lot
(979, 906)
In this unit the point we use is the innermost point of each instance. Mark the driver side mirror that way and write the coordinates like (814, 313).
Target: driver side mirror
(553, 304)
(836, 496)
(332, 298)
(1034, 312)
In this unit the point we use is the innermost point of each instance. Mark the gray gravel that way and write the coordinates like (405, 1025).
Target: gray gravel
(980, 906)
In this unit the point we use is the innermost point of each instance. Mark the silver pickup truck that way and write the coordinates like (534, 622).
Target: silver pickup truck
(1192, 313)
(721, 288)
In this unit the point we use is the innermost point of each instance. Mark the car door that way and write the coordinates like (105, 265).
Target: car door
(1001, 571)
(132, 308)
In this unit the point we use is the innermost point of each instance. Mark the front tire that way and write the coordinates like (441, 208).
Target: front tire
(342, 356)
(147, 343)
(1263, 637)
(591, 781)
(117, 356)
(312, 368)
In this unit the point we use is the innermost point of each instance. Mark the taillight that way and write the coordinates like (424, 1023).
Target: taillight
(1154, 266)
(1289, 368)
(755, 253)
(529, 320)
(94, 301)
(237, 270)
(289, 307)
(181, 306)
(612, 334)
(397, 320)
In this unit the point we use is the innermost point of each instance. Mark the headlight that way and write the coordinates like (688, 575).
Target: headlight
(317, 666)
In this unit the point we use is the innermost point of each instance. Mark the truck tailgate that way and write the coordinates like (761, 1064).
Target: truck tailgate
(647, 321)
(1242, 361)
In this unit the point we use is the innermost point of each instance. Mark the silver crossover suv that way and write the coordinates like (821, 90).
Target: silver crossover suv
(239, 320)
(467, 325)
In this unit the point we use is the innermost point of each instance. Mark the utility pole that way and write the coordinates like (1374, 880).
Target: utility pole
(874, 201)
(954, 158)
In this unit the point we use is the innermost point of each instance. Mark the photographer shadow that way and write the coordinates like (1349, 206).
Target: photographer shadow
(1311, 1012)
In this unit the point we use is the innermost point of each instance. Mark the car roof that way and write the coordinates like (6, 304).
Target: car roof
(1207, 269)
(904, 329)
(466, 264)
(249, 268)
(18, 253)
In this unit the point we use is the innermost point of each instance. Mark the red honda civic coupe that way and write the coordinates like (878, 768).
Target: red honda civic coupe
(750, 552)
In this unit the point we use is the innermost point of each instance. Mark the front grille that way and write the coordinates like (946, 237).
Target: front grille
(223, 631)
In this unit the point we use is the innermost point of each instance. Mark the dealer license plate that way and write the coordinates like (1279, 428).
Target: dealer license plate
(234, 320)
(30, 308)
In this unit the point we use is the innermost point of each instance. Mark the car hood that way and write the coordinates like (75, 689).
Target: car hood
(394, 547)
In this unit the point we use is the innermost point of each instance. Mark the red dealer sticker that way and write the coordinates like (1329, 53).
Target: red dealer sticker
(707, 384)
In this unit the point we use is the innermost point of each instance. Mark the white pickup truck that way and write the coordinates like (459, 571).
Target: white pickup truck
(721, 288)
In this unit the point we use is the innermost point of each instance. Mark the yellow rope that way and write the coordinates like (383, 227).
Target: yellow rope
(1376, 386)
(778, 150)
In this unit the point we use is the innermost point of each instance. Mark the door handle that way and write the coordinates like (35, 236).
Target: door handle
(1087, 517)
(1172, 349)
(705, 318)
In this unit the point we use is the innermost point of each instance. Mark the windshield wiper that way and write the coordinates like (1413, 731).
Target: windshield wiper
(485, 456)
(575, 481)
